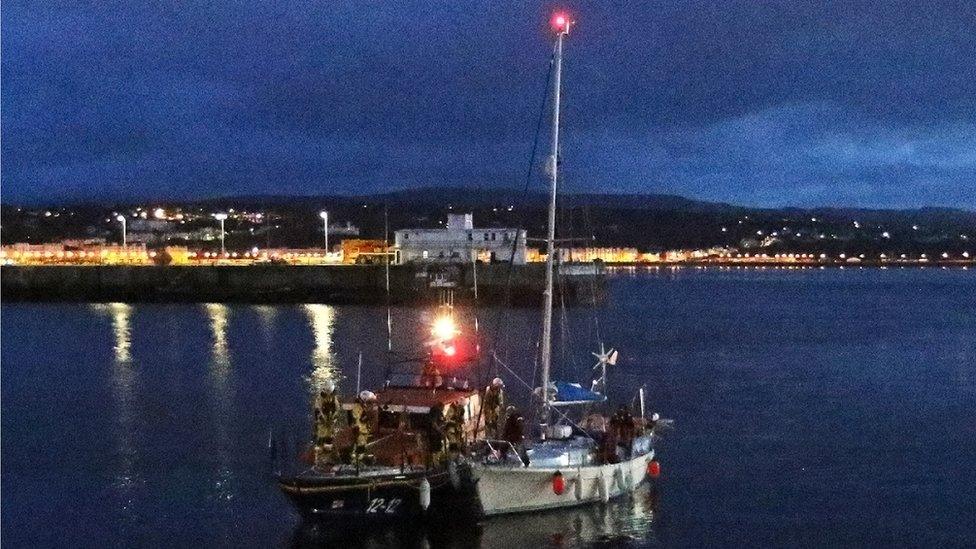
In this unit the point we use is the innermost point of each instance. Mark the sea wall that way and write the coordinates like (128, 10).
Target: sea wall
(272, 283)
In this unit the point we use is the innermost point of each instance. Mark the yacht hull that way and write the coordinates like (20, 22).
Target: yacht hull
(512, 489)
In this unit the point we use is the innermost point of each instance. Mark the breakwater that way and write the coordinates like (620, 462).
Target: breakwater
(269, 283)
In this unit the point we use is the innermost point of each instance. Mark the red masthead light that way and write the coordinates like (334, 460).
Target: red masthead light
(560, 22)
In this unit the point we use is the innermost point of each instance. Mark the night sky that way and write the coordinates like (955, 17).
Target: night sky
(854, 103)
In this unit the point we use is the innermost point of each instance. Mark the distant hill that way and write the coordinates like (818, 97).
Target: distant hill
(459, 197)
(645, 221)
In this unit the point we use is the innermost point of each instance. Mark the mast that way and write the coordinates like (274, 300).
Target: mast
(561, 24)
(386, 262)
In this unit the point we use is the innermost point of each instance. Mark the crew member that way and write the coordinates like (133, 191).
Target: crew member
(363, 412)
(326, 412)
(493, 403)
(652, 423)
(515, 435)
(430, 375)
(435, 435)
(455, 427)
(622, 426)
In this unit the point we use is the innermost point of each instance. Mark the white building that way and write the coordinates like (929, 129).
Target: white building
(459, 242)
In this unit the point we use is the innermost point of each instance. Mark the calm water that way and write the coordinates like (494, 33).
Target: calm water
(811, 408)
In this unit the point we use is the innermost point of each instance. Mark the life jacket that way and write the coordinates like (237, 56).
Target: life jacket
(329, 406)
(360, 421)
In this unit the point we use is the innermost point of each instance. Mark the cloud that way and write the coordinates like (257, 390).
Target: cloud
(948, 148)
(867, 103)
(808, 155)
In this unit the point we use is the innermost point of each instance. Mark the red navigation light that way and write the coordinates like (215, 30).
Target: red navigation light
(560, 22)
(450, 350)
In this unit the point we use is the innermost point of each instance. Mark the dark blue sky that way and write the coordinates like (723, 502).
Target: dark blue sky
(763, 103)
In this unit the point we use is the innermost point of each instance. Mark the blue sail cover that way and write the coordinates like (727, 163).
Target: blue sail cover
(574, 392)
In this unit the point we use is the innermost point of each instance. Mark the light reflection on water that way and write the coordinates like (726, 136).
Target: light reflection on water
(217, 313)
(127, 480)
(269, 316)
(121, 313)
(225, 483)
(322, 319)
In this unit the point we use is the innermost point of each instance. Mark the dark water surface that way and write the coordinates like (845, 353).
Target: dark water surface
(811, 408)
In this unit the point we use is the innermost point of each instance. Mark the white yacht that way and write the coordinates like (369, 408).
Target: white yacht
(575, 456)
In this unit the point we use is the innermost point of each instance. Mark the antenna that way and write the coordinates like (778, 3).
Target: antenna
(359, 371)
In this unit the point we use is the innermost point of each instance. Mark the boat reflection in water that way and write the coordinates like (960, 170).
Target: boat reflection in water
(627, 520)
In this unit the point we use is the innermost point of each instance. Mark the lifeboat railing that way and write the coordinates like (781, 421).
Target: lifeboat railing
(495, 446)
(290, 455)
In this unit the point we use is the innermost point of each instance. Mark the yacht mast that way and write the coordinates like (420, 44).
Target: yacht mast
(561, 24)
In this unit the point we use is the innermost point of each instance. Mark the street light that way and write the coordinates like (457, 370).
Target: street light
(121, 219)
(221, 217)
(325, 228)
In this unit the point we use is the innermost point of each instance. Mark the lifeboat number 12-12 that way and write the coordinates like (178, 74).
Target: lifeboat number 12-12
(377, 505)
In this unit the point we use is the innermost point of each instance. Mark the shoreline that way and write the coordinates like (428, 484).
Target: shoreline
(957, 264)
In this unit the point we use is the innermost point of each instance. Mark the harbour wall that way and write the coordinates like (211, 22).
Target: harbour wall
(497, 283)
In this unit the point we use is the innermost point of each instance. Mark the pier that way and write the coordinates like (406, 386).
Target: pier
(270, 283)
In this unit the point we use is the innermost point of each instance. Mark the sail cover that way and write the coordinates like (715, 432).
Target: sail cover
(574, 393)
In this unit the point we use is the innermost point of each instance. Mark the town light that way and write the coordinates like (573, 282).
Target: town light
(221, 217)
(325, 228)
(121, 219)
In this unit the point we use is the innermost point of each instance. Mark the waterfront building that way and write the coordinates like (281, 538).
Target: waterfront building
(146, 231)
(460, 242)
(343, 229)
(606, 255)
(71, 253)
(360, 250)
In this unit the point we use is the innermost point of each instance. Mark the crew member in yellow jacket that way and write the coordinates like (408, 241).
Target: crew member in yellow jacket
(363, 413)
(326, 412)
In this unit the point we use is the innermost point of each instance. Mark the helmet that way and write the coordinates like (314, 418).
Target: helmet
(497, 382)
(655, 417)
(328, 386)
(367, 396)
